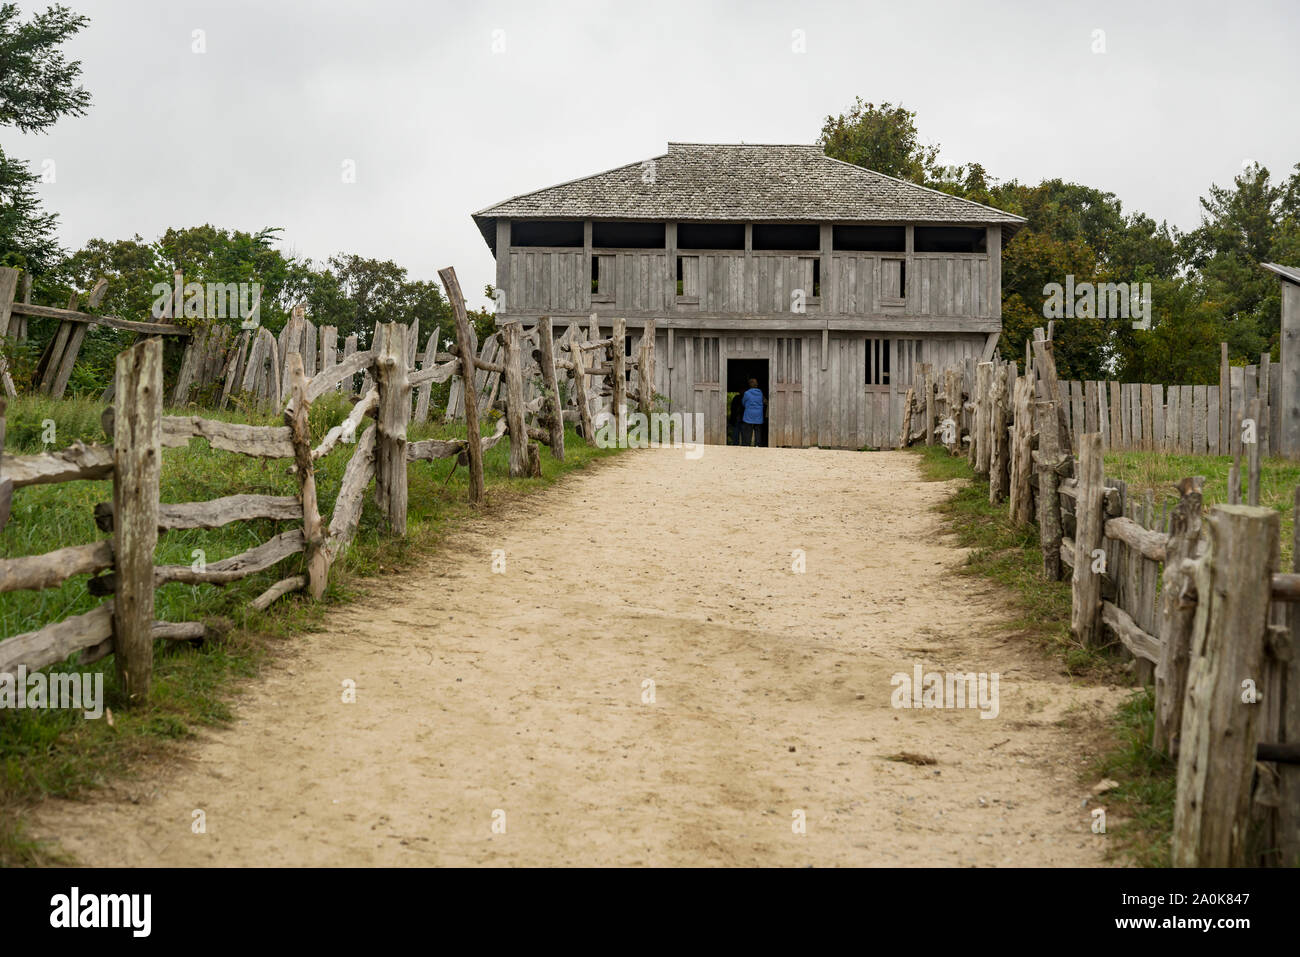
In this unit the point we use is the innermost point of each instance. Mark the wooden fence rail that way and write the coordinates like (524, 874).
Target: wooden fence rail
(1196, 599)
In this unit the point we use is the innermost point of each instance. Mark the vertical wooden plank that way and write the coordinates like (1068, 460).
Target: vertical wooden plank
(1157, 416)
(1225, 399)
(1103, 417)
(465, 350)
(137, 471)
(1198, 420)
(394, 386)
(1237, 406)
(1147, 423)
(1212, 420)
(1089, 511)
(1116, 416)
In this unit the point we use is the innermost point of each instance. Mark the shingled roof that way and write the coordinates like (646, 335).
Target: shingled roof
(743, 183)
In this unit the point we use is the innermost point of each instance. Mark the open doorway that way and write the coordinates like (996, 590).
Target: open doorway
(739, 372)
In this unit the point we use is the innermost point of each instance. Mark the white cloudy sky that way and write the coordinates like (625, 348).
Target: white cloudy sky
(254, 131)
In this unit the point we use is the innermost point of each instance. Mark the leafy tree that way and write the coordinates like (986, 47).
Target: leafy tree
(37, 86)
(881, 138)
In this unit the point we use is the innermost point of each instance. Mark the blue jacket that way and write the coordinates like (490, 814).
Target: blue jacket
(753, 400)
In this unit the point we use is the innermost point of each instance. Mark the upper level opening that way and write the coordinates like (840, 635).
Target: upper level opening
(949, 239)
(869, 239)
(628, 235)
(786, 236)
(540, 232)
(711, 236)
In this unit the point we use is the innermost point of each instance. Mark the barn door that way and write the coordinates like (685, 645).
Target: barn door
(705, 375)
(786, 414)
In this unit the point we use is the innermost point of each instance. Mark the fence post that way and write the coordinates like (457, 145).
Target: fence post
(1049, 500)
(1177, 613)
(394, 384)
(645, 370)
(465, 351)
(618, 363)
(999, 440)
(981, 436)
(1216, 758)
(1022, 452)
(553, 406)
(137, 471)
(1288, 812)
(296, 416)
(512, 333)
(1090, 515)
(578, 356)
(927, 379)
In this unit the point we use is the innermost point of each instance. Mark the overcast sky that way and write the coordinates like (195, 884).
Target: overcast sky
(254, 131)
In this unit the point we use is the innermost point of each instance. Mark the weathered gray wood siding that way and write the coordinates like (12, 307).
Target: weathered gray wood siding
(813, 399)
(558, 280)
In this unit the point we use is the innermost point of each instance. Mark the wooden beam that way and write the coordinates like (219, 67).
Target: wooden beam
(464, 339)
(71, 315)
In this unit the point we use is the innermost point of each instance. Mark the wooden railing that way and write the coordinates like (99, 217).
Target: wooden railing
(1196, 599)
(127, 576)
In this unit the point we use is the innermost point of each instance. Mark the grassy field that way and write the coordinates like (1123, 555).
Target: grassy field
(59, 753)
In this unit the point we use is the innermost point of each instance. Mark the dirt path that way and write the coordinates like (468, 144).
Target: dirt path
(522, 692)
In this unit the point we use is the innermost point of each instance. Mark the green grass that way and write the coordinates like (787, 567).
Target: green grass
(59, 753)
(1159, 471)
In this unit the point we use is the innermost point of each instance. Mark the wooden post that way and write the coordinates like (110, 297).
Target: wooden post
(512, 332)
(908, 402)
(8, 289)
(928, 381)
(618, 363)
(1022, 453)
(1217, 746)
(1255, 409)
(645, 370)
(6, 484)
(1045, 366)
(981, 435)
(137, 470)
(1090, 516)
(465, 350)
(425, 389)
(1177, 613)
(1288, 812)
(394, 385)
(1049, 501)
(296, 416)
(578, 358)
(553, 405)
(999, 440)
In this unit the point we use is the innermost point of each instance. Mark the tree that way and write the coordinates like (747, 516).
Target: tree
(37, 86)
(881, 138)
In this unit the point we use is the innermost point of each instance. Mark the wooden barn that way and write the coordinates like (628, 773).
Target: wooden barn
(825, 281)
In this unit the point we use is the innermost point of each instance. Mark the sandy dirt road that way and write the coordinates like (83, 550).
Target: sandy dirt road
(518, 697)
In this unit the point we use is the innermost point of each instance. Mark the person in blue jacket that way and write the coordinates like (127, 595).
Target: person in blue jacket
(751, 423)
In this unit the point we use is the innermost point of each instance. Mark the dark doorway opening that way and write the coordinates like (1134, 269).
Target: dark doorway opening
(739, 372)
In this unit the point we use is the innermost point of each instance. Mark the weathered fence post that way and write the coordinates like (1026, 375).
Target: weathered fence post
(577, 355)
(1022, 453)
(1217, 746)
(295, 416)
(426, 388)
(137, 471)
(1089, 517)
(553, 406)
(1177, 613)
(394, 384)
(980, 433)
(512, 333)
(645, 370)
(1288, 813)
(928, 381)
(1049, 501)
(999, 439)
(618, 390)
(465, 351)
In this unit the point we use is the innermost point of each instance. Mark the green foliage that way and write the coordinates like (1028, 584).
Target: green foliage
(1206, 285)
